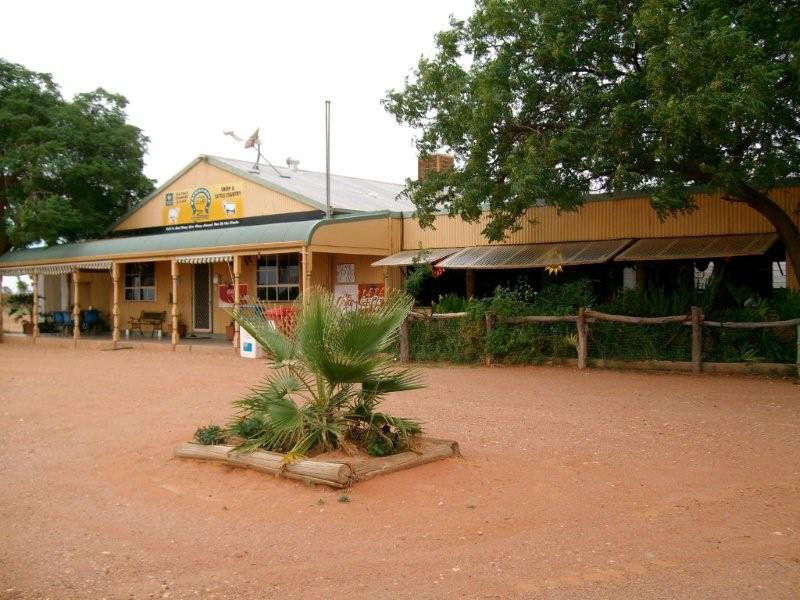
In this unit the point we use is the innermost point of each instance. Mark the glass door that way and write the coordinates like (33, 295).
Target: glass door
(201, 298)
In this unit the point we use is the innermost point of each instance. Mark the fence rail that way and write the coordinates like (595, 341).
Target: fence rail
(695, 319)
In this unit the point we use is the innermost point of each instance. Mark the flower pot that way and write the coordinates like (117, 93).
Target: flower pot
(230, 331)
(27, 328)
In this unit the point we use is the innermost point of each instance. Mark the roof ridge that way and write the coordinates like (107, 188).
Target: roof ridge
(310, 171)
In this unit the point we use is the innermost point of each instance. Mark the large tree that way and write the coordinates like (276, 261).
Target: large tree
(548, 100)
(68, 169)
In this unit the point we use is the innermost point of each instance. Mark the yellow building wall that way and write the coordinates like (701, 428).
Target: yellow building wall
(257, 199)
(366, 236)
(606, 220)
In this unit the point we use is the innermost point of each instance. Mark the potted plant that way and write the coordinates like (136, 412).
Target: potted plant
(20, 307)
(230, 331)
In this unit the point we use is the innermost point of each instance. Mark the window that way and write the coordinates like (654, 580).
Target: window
(140, 281)
(779, 275)
(278, 277)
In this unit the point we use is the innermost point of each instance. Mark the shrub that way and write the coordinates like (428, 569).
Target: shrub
(327, 379)
(209, 435)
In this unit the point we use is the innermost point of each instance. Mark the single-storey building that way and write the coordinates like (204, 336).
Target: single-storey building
(223, 230)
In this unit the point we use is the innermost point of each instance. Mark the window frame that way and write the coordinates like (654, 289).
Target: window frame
(138, 289)
(262, 290)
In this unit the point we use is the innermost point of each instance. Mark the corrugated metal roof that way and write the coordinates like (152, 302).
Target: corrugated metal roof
(347, 193)
(712, 246)
(406, 257)
(204, 238)
(528, 256)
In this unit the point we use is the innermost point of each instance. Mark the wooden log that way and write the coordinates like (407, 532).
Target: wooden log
(583, 341)
(540, 319)
(456, 315)
(405, 348)
(599, 316)
(758, 325)
(491, 323)
(335, 474)
(437, 450)
(697, 339)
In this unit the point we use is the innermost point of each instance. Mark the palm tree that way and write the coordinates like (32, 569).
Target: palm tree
(327, 376)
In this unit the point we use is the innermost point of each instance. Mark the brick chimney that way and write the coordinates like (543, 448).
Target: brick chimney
(434, 162)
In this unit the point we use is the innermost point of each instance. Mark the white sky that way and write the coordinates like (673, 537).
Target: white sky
(193, 69)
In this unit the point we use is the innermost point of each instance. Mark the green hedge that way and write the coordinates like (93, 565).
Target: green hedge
(465, 341)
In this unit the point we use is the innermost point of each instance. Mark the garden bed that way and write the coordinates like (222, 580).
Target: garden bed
(338, 473)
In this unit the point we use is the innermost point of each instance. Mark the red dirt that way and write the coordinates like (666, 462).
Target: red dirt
(593, 484)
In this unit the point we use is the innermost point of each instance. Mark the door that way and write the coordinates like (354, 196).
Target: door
(201, 298)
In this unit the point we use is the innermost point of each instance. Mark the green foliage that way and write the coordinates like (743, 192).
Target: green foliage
(465, 340)
(545, 101)
(20, 306)
(209, 435)
(450, 303)
(327, 379)
(70, 168)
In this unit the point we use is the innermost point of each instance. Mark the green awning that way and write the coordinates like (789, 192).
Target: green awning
(299, 232)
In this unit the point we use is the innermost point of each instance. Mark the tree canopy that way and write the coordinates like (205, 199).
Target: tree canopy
(549, 100)
(68, 169)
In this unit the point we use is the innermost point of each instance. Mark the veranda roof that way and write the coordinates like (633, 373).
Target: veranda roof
(712, 246)
(406, 257)
(59, 268)
(528, 256)
(182, 242)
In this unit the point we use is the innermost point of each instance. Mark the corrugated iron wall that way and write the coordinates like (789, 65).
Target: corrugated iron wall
(607, 220)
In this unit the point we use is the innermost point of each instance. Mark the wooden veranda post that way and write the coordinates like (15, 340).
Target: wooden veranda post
(697, 339)
(307, 265)
(76, 307)
(798, 350)
(237, 297)
(35, 308)
(174, 273)
(583, 341)
(115, 303)
(405, 353)
(491, 322)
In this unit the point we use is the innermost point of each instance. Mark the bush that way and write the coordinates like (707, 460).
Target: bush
(465, 340)
(209, 435)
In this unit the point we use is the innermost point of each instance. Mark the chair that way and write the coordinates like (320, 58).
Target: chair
(63, 321)
(156, 319)
(91, 320)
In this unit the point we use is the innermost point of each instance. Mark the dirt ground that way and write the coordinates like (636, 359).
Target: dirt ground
(593, 484)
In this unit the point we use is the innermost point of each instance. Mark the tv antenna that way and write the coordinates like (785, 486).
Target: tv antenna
(254, 141)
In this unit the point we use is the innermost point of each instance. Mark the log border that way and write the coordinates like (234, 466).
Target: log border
(336, 474)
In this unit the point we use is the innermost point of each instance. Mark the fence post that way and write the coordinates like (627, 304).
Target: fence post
(583, 342)
(491, 321)
(697, 339)
(405, 354)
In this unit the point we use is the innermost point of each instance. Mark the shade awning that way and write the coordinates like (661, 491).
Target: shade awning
(406, 257)
(530, 256)
(713, 246)
(58, 269)
(204, 258)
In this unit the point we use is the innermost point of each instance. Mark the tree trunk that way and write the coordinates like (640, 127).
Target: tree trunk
(774, 213)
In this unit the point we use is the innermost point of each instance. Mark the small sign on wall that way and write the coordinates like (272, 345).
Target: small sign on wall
(346, 273)
(226, 294)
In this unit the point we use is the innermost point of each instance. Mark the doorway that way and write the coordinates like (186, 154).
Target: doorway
(201, 298)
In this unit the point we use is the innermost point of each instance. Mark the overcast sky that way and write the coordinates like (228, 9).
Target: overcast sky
(193, 69)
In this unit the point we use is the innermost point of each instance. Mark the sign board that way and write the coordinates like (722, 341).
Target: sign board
(195, 207)
(226, 294)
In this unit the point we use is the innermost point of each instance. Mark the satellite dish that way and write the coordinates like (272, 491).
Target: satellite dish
(254, 141)
(292, 163)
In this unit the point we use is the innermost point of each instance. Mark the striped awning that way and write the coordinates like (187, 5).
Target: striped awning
(712, 246)
(530, 256)
(406, 257)
(58, 269)
(204, 258)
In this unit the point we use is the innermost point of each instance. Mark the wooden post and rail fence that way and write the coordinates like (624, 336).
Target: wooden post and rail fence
(695, 319)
